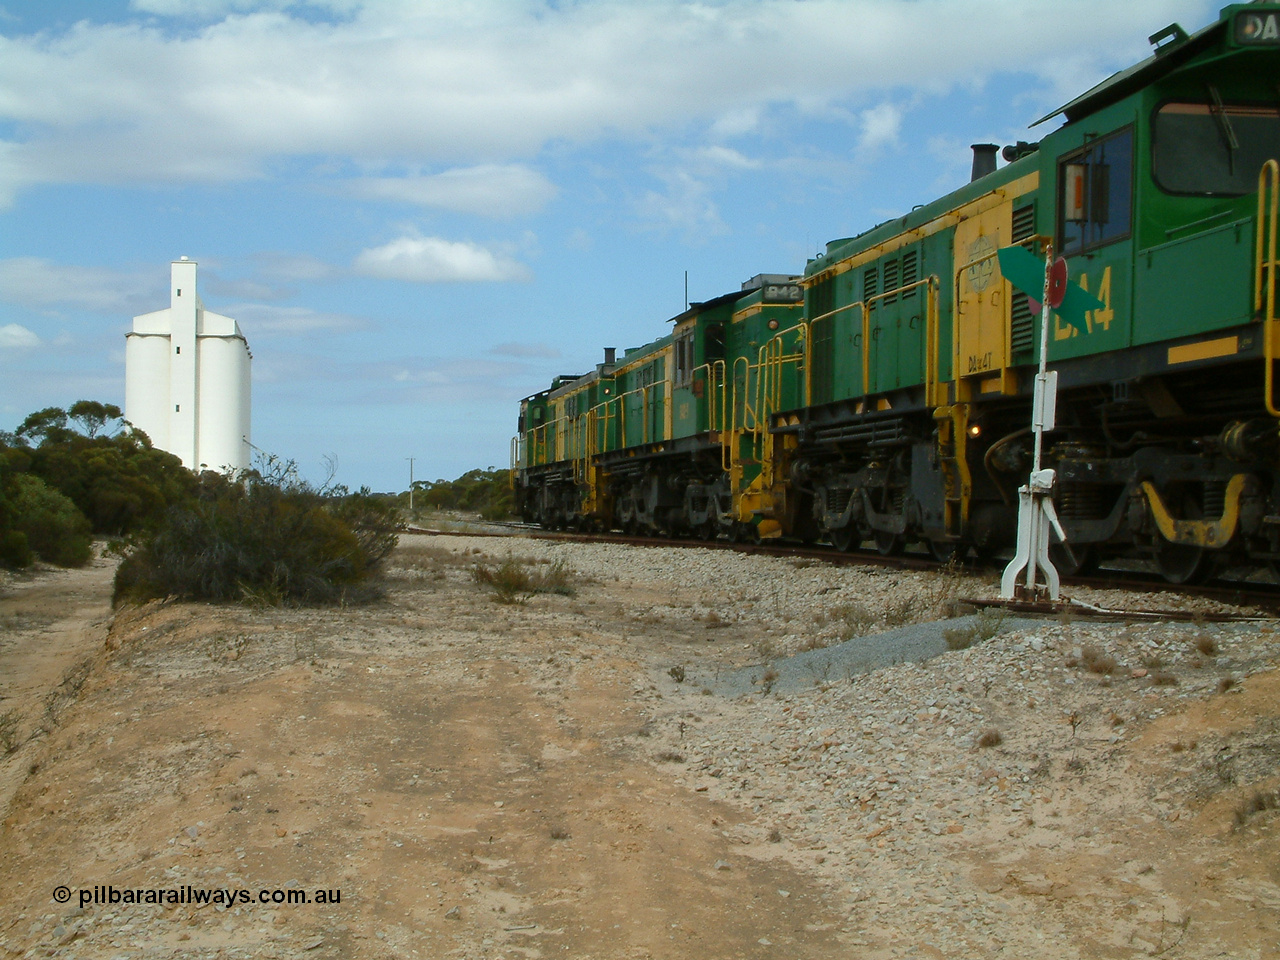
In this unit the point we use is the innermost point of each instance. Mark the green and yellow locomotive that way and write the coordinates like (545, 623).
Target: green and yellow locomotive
(884, 396)
(671, 438)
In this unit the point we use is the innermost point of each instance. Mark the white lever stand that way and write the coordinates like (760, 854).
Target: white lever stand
(1035, 500)
(1035, 516)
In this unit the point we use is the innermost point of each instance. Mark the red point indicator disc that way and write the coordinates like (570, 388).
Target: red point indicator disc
(1057, 286)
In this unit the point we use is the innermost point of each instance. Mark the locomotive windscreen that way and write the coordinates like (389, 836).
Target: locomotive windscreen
(1201, 149)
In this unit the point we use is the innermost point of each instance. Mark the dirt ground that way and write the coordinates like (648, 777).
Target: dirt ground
(456, 777)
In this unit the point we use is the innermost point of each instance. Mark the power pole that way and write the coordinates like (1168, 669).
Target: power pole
(410, 459)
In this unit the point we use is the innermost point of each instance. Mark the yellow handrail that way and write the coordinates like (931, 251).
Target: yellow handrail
(1268, 181)
(771, 359)
(858, 304)
(931, 397)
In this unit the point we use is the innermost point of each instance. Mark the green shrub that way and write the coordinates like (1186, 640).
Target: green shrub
(257, 539)
(49, 522)
(14, 551)
(374, 520)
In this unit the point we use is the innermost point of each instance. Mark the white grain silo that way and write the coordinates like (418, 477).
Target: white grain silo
(187, 379)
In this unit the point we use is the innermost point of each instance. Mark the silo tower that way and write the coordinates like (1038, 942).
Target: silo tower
(187, 379)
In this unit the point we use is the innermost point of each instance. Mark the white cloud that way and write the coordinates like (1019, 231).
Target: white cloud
(736, 122)
(262, 319)
(38, 283)
(490, 82)
(491, 190)
(717, 156)
(685, 205)
(434, 260)
(15, 337)
(212, 9)
(880, 125)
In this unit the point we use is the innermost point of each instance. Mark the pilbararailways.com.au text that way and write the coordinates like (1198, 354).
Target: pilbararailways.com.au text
(200, 896)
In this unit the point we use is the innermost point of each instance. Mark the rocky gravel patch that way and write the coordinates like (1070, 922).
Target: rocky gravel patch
(683, 753)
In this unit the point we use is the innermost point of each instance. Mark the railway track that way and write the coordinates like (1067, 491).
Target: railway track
(1262, 596)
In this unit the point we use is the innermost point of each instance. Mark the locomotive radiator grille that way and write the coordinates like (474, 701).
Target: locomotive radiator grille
(1022, 322)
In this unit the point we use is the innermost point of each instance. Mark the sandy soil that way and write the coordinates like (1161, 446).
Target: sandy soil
(485, 780)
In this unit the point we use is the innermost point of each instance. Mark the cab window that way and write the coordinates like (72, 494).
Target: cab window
(1095, 194)
(684, 357)
(1212, 149)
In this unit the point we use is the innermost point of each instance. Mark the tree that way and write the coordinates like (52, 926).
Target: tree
(52, 526)
(107, 468)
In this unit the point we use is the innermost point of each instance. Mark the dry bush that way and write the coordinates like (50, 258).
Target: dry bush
(669, 756)
(1095, 660)
(10, 721)
(853, 619)
(1260, 801)
(513, 582)
(510, 581)
(813, 643)
(228, 648)
(1162, 678)
(1226, 683)
(1206, 645)
(557, 578)
(768, 680)
(901, 611)
(986, 624)
(991, 737)
(430, 562)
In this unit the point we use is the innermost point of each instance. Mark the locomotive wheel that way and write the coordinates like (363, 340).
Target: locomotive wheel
(707, 530)
(843, 538)
(944, 551)
(889, 544)
(1079, 561)
(1181, 563)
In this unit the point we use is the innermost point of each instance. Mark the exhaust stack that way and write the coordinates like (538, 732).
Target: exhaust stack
(984, 160)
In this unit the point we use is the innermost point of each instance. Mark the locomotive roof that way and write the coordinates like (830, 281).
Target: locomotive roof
(1168, 58)
(754, 285)
(839, 250)
(577, 383)
(1176, 53)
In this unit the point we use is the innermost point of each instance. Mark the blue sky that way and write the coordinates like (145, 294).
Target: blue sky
(420, 212)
